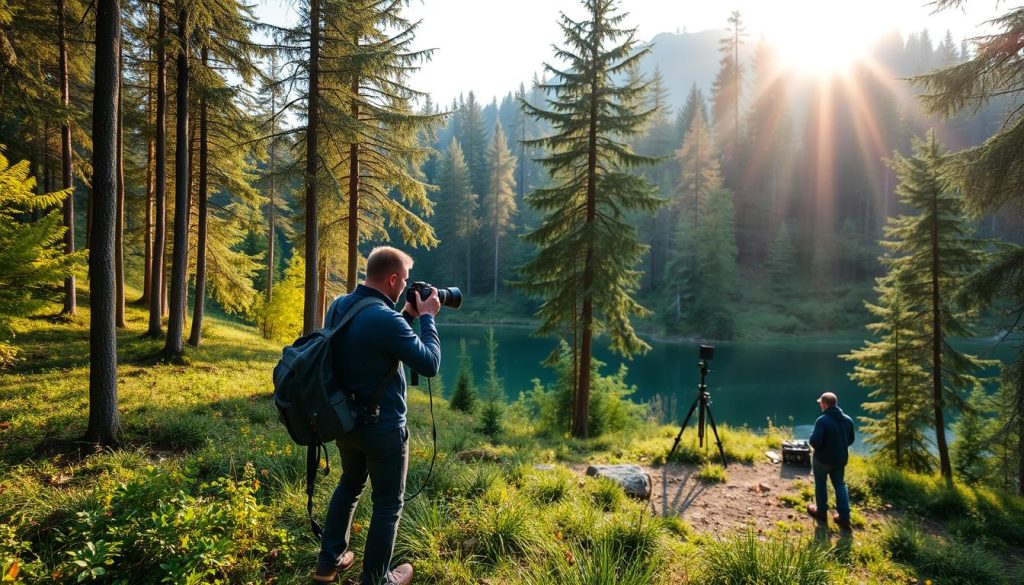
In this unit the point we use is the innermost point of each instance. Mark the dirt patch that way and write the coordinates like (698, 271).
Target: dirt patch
(749, 497)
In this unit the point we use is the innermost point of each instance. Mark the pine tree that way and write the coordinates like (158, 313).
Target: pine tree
(698, 175)
(457, 220)
(31, 259)
(972, 449)
(726, 90)
(103, 416)
(182, 170)
(464, 397)
(934, 251)
(490, 417)
(694, 106)
(780, 266)
(472, 137)
(501, 195)
(889, 366)
(715, 269)
(157, 283)
(587, 253)
(990, 173)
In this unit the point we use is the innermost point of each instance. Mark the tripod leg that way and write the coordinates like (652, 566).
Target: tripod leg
(681, 429)
(714, 430)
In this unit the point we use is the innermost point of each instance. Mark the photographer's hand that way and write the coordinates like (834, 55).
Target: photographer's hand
(430, 305)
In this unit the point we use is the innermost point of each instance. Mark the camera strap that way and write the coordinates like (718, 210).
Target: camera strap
(433, 430)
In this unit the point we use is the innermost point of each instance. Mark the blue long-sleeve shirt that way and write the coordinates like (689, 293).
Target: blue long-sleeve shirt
(370, 345)
(832, 437)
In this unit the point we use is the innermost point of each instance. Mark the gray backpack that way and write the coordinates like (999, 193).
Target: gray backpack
(314, 405)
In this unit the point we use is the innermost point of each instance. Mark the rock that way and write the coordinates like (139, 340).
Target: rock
(763, 488)
(632, 478)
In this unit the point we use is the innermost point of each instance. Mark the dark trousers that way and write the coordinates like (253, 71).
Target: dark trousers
(824, 472)
(385, 460)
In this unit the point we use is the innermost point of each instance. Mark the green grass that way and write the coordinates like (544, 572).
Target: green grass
(712, 473)
(206, 486)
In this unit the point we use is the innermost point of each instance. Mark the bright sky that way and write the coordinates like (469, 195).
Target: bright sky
(490, 46)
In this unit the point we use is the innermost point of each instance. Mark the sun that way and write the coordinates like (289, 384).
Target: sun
(823, 39)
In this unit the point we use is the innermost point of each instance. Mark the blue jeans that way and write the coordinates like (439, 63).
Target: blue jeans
(385, 460)
(822, 473)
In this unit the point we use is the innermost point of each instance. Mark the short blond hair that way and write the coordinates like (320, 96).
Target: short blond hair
(384, 261)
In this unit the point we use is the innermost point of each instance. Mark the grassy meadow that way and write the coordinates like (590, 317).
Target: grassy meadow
(207, 488)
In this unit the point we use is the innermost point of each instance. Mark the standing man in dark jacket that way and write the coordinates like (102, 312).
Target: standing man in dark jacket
(831, 439)
(374, 342)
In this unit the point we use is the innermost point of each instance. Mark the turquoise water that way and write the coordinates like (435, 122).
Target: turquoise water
(750, 382)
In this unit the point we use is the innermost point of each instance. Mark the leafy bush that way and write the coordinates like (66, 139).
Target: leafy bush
(610, 407)
(162, 528)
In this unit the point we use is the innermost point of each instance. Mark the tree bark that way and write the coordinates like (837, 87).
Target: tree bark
(309, 309)
(197, 310)
(353, 196)
(179, 257)
(156, 291)
(70, 294)
(581, 410)
(119, 219)
(103, 416)
(938, 401)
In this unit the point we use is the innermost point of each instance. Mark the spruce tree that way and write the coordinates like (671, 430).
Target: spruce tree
(695, 105)
(585, 268)
(699, 172)
(727, 89)
(889, 367)
(457, 219)
(714, 281)
(972, 449)
(933, 251)
(464, 397)
(490, 417)
(501, 195)
(989, 175)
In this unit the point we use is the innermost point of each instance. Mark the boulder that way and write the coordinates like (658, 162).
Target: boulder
(632, 478)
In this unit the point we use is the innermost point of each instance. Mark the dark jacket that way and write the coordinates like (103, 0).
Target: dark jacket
(370, 345)
(832, 437)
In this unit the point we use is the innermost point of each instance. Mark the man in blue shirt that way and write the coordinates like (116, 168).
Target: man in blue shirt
(367, 351)
(831, 439)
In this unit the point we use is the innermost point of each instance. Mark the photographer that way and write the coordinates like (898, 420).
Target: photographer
(368, 351)
(831, 439)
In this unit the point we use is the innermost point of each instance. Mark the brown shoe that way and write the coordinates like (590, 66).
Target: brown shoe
(842, 523)
(400, 575)
(327, 576)
(813, 512)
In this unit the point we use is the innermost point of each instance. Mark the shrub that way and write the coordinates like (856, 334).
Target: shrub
(610, 407)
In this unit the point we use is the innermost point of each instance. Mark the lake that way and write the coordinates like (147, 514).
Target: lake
(750, 382)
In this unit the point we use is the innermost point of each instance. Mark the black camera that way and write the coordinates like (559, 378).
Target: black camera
(450, 297)
(707, 352)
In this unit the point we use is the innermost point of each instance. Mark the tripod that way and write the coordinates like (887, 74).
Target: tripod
(703, 402)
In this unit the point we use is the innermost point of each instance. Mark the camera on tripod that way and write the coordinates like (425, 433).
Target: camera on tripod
(703, 406)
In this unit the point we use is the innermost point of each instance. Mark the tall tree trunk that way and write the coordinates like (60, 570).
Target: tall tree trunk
(938, 401)
(309, 320)
(581, 411)
(70, 295)
(157, 285)
(321, 299)
(119, 220)
(147, 279)
(353, 197)
(179, 261)
(272, 208)
(103, 417)
(197, 311)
